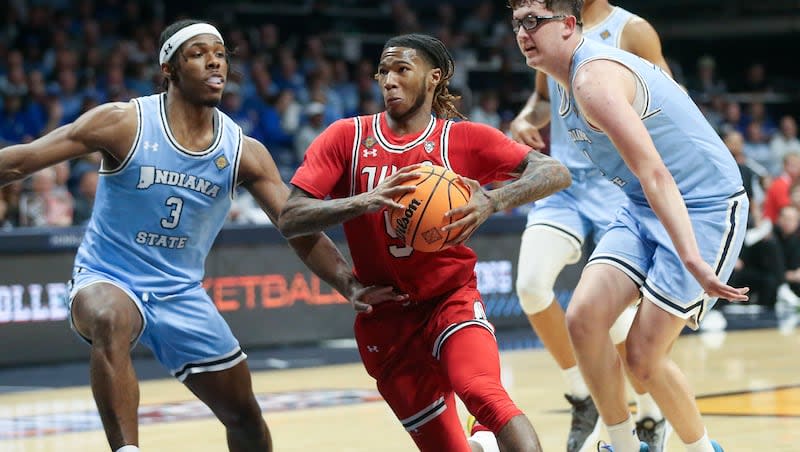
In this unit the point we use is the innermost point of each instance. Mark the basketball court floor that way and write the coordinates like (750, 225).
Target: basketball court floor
(747, 383)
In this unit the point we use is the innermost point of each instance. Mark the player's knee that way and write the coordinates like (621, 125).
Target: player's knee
(246, 419)
(105, 326)
(534, 294)
(489, 402)
(619, 330)
(640, 360)
(580, 327)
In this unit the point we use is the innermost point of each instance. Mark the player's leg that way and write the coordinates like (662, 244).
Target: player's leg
(649, 343)
(471, 362)
(673, 300)
(651, 426)
(229, 394)
(543, 254)
(398, 356)
(553, 240)
(601, 295)
(106, 316)
(189, 336)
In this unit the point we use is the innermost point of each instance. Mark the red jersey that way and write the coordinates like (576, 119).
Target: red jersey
(354, 155)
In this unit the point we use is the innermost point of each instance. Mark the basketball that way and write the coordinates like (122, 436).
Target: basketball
(419, 224)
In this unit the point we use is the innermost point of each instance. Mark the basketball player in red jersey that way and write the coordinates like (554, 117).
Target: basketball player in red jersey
(437, 343)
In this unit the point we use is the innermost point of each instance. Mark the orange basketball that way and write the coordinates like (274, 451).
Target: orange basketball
(419, 224)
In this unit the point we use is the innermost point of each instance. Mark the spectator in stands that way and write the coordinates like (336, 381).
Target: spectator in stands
(752, 174)
(788, 236)
(706, 83)
(755, 79)
(732, 118)
(315, 124)
(48, 204)
(757, 149)
(12, 193)
(87, 177)
(785, 140)
(5, 222)
(486, 112)
(778, 192)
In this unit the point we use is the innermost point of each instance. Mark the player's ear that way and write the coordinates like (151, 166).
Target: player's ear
(570, 26)
(435, 76)
(166, 72)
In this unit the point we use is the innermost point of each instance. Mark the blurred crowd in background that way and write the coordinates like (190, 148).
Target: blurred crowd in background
(294, 72)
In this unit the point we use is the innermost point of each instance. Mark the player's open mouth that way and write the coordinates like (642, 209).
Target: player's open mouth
(215, 82)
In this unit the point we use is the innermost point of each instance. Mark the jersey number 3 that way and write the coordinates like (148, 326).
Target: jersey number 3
(175, 214)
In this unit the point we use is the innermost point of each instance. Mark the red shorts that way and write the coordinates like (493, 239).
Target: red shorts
(400, 346)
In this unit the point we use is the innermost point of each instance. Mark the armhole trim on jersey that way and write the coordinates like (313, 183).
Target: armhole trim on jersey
(641, 98)
(354, 158)
(444, 144)
(237, 158)
(564, 105)
(134, 146)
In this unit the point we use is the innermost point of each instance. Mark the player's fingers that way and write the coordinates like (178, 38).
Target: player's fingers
(459, 212)
(400, 178)
(462, 237)
(361, 307)
(408, 168)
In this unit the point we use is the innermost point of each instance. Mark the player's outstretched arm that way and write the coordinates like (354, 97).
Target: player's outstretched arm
(259, 175)
(110, 128)
(305, 214)
(533, 116)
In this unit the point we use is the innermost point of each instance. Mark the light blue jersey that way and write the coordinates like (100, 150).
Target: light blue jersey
(155, 218)
(695, 155)
(706, 175)
(589, 205)
(157, 214)
(609, 32)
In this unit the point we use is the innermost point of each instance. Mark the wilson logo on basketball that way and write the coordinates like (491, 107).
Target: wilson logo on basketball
(401, 223)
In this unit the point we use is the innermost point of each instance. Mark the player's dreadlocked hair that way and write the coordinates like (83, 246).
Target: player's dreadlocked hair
(434, 51)
(568, 7)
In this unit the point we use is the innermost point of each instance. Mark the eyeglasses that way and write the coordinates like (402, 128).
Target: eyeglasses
(530, 22)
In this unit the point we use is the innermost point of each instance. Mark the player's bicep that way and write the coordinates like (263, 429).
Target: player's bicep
(100, 129)
(640, 38)
(259, 175)
(604, 91)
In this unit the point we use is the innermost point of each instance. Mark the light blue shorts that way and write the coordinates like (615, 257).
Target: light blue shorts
(638, 244)
(584, 209)
(184, 330)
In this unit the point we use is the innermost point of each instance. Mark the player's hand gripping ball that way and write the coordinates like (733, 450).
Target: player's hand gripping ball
(419, 224)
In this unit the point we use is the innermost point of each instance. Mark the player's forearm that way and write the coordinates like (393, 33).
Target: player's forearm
(305, 215)
(536, 111)
(12, 161)
(667, 202)
(322, 257)
(542, 177)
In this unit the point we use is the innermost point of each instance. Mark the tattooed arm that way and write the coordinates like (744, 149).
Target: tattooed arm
(538, 176)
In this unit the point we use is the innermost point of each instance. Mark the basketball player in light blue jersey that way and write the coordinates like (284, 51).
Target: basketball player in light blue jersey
(645, 135)
(559, 224)
(171, 165)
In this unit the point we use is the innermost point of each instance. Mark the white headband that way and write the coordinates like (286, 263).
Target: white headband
(184, 34)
